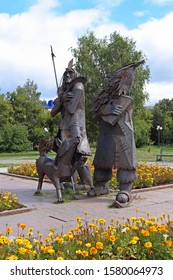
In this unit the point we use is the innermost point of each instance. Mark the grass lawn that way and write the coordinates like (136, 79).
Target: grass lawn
(144, 154)
(149, 153)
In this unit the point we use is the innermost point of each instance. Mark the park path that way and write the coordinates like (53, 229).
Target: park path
(47, 214)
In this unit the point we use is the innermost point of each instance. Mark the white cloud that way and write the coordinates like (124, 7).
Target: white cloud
(25, 41)
(154, 39)
(159, 91)
(140, 13)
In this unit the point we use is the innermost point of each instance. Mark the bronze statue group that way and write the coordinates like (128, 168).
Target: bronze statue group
(112, 110)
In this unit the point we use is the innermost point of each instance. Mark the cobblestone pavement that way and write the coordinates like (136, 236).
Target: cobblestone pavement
(46, 213)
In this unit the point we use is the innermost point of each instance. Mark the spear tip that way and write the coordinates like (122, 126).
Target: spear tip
(52, 53)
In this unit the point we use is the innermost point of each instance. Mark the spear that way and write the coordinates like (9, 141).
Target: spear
(53, 56)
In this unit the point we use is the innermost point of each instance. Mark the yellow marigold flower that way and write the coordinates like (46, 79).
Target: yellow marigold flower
(34, 253)
(23, 226)
(112, 238)
(152, 229)
(78, 252)
(133, 218)
(134, 228)
(169, 243)
(102, 221)
(148, 245)
(163, 228)
(28, 246)
(99, 245)
(9, 230)
(47, 239)
(88, 245)
(12, 257)
(142, 219)
(85, 213)
(79, 242)
(105, 234)
(93, 251)
(92, 225)
(163, 215)
(119, 249)
(51, 234)
(70, 236)
(3, 239)
(60, 258)
(133, 241)
(145, 232)
(84, 253)
(8, 193)
(135, 238)
(51, 251)
(97, 236)
(59, 239)
(78, 219)
(19, 241)
(22, 250)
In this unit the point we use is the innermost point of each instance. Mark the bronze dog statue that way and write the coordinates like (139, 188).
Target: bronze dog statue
(58, 168)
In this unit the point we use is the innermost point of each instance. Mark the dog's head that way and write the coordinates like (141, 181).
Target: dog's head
(45, 146)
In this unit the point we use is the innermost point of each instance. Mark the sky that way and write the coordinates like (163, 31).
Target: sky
(28, 28)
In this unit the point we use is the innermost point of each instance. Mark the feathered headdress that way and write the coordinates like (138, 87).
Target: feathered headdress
(121, 83)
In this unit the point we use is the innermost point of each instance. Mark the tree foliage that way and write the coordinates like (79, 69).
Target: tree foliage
(163, 116)
(23, 118)
(98, 59)
(14, 138)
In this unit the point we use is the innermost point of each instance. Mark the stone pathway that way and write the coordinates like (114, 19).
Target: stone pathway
(47, 214)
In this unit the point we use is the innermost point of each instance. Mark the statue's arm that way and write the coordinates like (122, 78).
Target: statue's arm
(111, 109)
(112, 112)
(74, 97)
(57, 107)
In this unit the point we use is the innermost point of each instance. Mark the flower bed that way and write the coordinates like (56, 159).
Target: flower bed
(9, 201)
(137, 238)
(148, 174)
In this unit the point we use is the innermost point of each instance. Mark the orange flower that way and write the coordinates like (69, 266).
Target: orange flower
(169, 243)
(23, 226)
(112, 238)
(145, 232)
(9, 230)
(84, 253)
(99, 245)
(93, 251)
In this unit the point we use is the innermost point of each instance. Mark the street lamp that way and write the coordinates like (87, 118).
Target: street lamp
(159, 128)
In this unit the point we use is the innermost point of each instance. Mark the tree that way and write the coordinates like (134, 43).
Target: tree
(23, 111)
(163, 116)
(143, 123)
(28, 110)
(14, 138)
(98, 59)
(6, 111)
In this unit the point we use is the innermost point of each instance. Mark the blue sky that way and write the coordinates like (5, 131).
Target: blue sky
(130, 12)
(27, 28)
